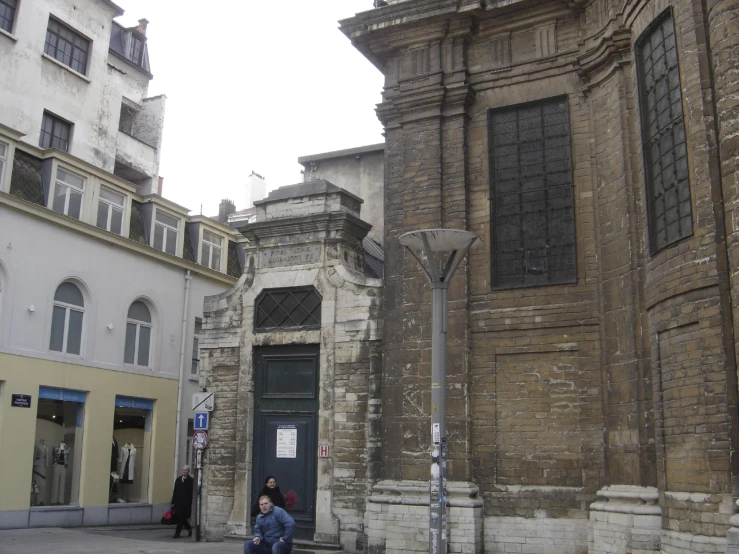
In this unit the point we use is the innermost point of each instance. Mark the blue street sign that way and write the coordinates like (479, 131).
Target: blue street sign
(201, 421)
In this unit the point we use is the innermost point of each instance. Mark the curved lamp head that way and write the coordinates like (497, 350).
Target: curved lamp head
(435, 243)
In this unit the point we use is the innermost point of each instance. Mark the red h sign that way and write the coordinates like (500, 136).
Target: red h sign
(323, 451)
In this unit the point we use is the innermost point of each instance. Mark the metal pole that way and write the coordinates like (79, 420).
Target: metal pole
(199, 456)
(437, 505)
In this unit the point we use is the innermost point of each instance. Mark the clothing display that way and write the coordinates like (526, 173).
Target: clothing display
(60, 455)
(58, 482)
(40, 466)
(126, 462)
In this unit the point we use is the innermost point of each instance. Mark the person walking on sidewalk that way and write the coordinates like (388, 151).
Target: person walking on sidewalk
(273, 531)
(182, 502)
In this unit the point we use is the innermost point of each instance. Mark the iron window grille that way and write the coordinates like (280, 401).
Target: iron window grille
(67, 46)
(26, 182)
(55, 132)
(669, 206)
(293, 308)
(532, 204)
(7, 14)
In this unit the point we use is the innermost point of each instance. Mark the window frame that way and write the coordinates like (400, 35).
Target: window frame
(655, 246)
(3, 161)
(495, 282)
(111, 207)
(68, 308)
(166, 230)
(56, 121)
(211, 246)
(8, 28)
(73, 64)
(137, 337)
(132, 49)
(197, 331)
(69, 187)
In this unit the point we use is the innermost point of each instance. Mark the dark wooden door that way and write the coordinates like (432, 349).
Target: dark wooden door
(286, 426)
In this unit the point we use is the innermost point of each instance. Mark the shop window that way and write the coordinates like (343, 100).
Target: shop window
(57, 449)
(131, 450)
(67, 319)
(138, 335)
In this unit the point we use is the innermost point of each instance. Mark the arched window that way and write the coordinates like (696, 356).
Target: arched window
(138, 335)
(67, 319)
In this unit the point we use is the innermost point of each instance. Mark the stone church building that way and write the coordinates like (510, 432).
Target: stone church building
(592, 382)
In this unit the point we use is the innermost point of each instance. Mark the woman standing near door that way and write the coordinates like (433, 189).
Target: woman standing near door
(273, 491)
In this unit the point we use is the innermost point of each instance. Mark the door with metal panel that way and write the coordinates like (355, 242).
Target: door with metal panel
(286, 426)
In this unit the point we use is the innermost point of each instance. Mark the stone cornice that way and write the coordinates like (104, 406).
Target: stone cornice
(313, 223)
(611, 50)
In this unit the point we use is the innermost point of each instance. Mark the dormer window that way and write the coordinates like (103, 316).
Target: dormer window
(135, 49)
(210, 252)
(165, 233)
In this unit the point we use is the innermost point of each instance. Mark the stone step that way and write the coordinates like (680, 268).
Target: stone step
(299, 546)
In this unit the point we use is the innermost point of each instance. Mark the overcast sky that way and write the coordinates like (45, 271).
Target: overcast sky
(253, 85)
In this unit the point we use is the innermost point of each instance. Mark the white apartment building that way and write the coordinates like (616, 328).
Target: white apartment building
(101, 279)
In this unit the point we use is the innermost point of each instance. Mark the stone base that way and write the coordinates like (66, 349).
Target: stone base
(74, 516)
(628, 520)
(536, 535)
(396, 520)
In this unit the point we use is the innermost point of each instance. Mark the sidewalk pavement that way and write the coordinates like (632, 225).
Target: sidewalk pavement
(117, 540)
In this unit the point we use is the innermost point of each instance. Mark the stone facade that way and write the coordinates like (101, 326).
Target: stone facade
(599, 411)
(319, 224)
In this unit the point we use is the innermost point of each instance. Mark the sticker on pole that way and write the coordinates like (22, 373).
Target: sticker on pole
(436, 433)
(199, 440)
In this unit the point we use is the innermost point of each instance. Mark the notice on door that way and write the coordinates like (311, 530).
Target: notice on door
(287, 441)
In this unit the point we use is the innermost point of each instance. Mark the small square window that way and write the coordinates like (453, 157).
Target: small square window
(66, 46)
(55, 132)
(7, 14)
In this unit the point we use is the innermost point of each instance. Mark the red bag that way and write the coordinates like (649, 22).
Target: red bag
(169, 518)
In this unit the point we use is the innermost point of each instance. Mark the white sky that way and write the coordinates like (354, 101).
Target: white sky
(253, 85)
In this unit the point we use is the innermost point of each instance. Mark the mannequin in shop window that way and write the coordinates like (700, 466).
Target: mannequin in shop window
(60, 463)
(126, 462)
(40, 465)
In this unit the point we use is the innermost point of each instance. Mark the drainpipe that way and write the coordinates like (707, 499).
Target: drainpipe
(182, 375)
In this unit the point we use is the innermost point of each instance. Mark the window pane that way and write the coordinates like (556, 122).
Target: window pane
(75, 204)
(167, 220)
(216, 261)
(212, 238)
(158, 237)
(205, 254)
(2, 150)
(171, 241)
(57, 328)
(102, 220)
(116, 221)
(70, 178)
(139, 311)
(144, 341)
(112, 196)
(129, 349)
(69, 293)
(60, 198)
(74, 336)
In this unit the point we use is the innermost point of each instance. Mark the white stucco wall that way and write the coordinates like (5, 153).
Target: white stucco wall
(31, 82)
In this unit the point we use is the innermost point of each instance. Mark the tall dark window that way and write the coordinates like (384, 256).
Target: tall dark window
(67, 46)
(135, 48)
(532, 205)
(663, 133)
(296, 308)
(54, 133)
(7, 14)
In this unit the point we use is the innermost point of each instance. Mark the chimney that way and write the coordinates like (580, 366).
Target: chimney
(141, 28)
(225, 209)
(256, 188)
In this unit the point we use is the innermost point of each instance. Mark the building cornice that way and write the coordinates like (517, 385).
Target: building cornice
(118, 241)
(125, 60)
(313, 223)
(210, 222)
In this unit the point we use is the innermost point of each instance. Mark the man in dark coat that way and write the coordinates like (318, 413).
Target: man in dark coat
(182, 501)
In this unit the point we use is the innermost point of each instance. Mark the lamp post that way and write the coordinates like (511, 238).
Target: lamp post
(438, 244)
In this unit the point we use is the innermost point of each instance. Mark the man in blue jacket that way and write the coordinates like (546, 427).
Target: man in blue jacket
(273, 531)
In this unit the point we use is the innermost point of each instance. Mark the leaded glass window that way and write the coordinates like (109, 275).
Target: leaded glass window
(293, 308)
(7, 14)
(663, 132)
(67, 46)
(532, 204)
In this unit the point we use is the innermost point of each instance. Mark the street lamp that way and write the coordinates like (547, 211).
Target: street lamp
(437, 244)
